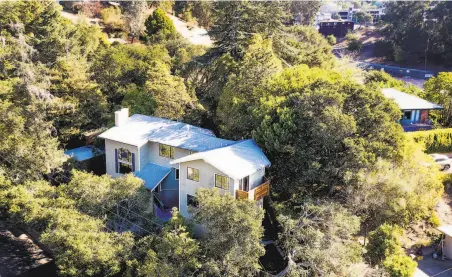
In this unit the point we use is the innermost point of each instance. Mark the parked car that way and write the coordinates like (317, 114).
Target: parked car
(443, 161)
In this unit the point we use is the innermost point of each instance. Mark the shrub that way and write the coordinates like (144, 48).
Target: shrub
(331, 39)
(112, 18)
(384, 48)
(355, 45)
(434, 219)
(400, 265)
(437, 140)
(383, 242)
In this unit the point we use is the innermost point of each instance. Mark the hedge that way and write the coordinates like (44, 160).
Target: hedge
(434, 141)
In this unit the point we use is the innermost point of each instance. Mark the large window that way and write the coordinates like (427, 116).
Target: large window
(166, 151)
(124, 161)
(193, 174)
(192, 201)
(244, 184)
(221, 181)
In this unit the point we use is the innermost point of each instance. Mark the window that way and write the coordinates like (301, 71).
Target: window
(244, 183)
(193, 174)
(192, 201)
(221, 181)
(124, 161)
(191, 152)
(406, 115)
(177, 174)
(166, 151)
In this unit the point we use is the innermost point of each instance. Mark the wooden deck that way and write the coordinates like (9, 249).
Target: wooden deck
(256, 193)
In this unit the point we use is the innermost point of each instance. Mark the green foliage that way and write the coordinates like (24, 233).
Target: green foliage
(81, 246)
(313, 147)
(112, 18)
(437, 140)
(223, 218)
(384, 48)
(135, 13)
(138, 101)
(401, 193)
(121, 65)
(258, 62)
(439, 90)
(384, 242)
(304, 11)
(382, 79)
(160, 27)
(319, 235)
(331, 39)
(434, 220)
(400, 266)
(195, 11)
(174, 253)
(355, 45)
(303, 45)
(363, 17)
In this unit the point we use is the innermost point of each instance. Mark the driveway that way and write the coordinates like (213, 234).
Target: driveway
(429, 267)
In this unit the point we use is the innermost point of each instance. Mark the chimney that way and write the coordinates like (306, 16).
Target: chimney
(121, 116)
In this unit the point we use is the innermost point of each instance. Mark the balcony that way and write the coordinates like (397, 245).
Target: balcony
(256, 193)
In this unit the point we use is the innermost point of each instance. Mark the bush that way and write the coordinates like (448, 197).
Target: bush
(355, 45)
(434, 219)
(384, 48)
(438, 140)
(383, 242)
(331, 39)
(400, 265)
(112, 19)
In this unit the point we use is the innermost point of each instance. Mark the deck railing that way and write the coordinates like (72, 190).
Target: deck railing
(256, 193)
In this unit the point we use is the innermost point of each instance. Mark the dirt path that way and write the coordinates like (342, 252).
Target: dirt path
(18, 253)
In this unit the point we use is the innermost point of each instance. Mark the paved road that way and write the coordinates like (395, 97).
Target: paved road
(429, 267)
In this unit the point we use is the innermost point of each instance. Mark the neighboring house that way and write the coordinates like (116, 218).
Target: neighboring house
(336, 28)
(415, 110)
(174, 159)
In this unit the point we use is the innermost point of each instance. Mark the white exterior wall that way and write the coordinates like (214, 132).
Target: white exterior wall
(448, 247)
(257, 178)
(206, 180)
(110, 163)
(151, 154)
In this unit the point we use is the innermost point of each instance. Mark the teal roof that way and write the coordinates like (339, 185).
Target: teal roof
(152, 175)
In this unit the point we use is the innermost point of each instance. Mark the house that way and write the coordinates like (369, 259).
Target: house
(336, 28)
(446, 241)
(415, 110)
(175, 159)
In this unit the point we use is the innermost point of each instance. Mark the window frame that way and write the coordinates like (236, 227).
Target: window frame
(124, 163)
(227, 181)
(194, 201)
(171, 151)
(188, 175)
(177, 174)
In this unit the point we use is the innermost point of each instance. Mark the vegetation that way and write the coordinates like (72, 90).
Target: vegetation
(434, 141)
(341, 164)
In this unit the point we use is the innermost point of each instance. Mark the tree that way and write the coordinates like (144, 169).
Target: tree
(237, 97)
(439, 90)
(314, 147)
(173, 253)
(318, 239)
(304, 45)
(121, 65)
(160, 27)
(135, 15)
(112, 18)
(363, 17)
(224, 217)
(169, 92)
(378, 196)
(304, 11)
(138, 100)
(235, 22)
(385, 248)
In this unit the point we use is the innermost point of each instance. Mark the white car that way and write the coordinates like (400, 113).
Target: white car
(443, 161)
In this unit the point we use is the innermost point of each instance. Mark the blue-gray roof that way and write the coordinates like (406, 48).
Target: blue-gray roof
(83, 153)
(139, 129)
(152, 175)
(237, 160)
